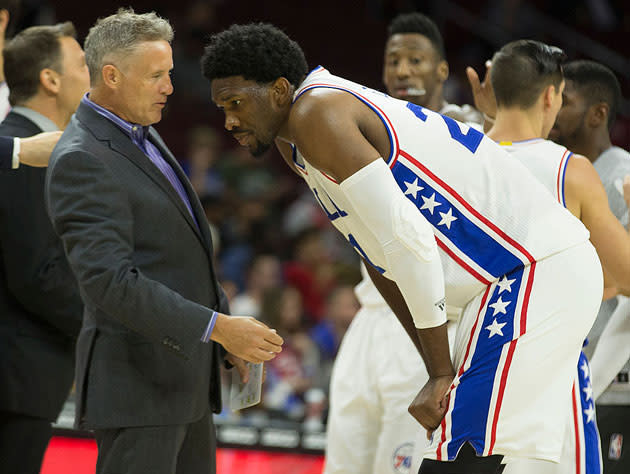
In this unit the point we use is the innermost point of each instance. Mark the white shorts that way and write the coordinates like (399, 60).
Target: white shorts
(376, 375)
(581, 452)
(516, 352)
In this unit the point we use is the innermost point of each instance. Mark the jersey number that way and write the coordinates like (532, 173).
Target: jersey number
(471, 139)
(336, 214)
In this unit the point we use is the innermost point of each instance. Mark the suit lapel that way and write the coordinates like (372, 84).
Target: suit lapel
(195, 204)
(137, 156)
(120, 142)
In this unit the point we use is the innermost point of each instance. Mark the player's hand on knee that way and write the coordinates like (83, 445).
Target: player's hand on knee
(431, 403)
(247, 338)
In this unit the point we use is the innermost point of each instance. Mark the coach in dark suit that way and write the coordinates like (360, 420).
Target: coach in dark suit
(40, 305)
(137, 239)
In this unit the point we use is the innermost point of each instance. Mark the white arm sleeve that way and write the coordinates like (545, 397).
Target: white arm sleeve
(407, 239)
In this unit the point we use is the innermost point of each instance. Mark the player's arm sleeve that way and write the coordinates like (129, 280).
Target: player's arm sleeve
(407, 239)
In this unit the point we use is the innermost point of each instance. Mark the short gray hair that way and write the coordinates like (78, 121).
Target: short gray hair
(119, 34)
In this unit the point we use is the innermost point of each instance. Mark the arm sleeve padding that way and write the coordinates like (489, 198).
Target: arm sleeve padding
(407, 239)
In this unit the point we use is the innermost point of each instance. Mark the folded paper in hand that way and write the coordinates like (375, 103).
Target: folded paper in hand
(244, 395)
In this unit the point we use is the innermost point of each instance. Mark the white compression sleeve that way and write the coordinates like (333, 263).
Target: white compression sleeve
(407, 239)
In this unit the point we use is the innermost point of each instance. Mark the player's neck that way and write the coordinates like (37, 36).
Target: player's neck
(596, 144)
(436, 103)
(513, 125)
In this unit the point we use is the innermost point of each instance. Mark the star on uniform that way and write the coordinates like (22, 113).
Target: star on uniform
(413, 188)
(499, 306)
(505, 284)
(495, 328)
(430, 203)
(588, 390)
(585, 368)
(590, 413)
(447, 218)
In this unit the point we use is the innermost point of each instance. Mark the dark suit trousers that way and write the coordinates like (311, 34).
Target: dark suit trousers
(23, 441)
(176, 449)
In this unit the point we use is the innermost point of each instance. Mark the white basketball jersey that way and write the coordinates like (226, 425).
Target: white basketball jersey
(546, 160)
(488, 213)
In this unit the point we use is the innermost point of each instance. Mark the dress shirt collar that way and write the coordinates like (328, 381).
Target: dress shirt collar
(138, 133)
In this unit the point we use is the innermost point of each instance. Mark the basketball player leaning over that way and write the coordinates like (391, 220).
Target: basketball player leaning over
(529, 296)
(369, 429)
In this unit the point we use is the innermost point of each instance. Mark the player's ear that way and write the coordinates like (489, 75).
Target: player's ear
(442, 71)
(548, 96)
(281, 91)
(597, 115)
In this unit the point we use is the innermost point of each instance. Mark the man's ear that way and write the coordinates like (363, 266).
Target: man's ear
(548, 96)
(4, 21)
(111, 76)
(442, 71)
(50, 80)
(282, 91)
(597, 115)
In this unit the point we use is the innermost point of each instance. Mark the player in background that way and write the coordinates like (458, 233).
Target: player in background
(591, 101)
(369, 427)
(526, 77)
(399, 180)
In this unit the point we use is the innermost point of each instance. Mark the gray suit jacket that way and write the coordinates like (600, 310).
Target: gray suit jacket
(145, 274)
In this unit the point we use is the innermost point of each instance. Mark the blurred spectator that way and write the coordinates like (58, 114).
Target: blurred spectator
(202, 157)
(311, 272)
(292, 373)
(341, 307)
(264, 274)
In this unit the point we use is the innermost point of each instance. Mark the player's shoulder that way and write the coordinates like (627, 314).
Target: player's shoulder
(319, 109)
(580, 171)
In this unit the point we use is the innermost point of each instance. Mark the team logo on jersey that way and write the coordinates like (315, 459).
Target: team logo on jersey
(402, 458)
(614, 449)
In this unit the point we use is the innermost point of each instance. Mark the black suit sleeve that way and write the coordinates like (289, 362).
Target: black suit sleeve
(6, 153)
(36, 271)
(91, 214)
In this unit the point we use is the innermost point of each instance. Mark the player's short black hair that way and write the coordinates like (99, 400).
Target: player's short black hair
(596, 83)
(522, 69)
(421, 24)
(257, 51)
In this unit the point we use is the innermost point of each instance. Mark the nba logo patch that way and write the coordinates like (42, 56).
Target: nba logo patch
(402, 458)
(616, 443)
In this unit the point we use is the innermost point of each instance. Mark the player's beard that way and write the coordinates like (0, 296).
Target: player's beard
(260, 148)
(572, 138)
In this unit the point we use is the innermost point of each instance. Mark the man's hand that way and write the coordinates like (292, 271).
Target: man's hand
(431, 403)
(36, 150)
(242, 367)
(483, 93)
(246, 338)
